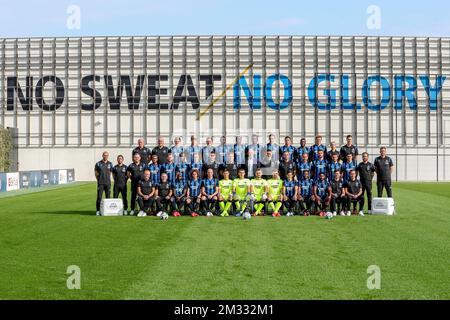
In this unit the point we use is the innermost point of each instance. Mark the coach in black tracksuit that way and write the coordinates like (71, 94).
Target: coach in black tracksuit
(366, 172)
(103, 170)
(135, 173)
(384, 167)
(120, 181)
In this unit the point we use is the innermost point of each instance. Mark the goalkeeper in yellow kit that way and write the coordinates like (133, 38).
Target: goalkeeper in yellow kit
(225, 193)
(275, 197)
(241, 193)
(258, 191)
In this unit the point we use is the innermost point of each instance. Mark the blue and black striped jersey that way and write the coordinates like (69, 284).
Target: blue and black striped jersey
(194, 187)
(169, 168)
(290, 187)
(198, 166)
(302, 167)
(210, 185)
(290, 149)
(332, 168)
(313, 151)
(183, 168)
(346, 168)
(319, 166)
(322, 188)
(192, 150)
(155, 170)
(239, 153)
(179, 188)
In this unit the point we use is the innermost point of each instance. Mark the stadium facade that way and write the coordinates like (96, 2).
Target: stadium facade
(72, 98)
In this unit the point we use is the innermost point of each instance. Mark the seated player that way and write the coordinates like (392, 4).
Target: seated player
(306, 197)
(354, 194)
(258, 189)
(290, 191)
(225, 193)
(193, 195)
(337, 195)
(146, 194)
(275, 197)
(163, 194)
(322, 194)
(178, 195)
(241, 193)
(210, 190)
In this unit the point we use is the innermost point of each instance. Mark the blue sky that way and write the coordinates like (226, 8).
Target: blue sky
(34, 18)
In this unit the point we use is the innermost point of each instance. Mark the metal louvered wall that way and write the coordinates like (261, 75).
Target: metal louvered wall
(417, 138)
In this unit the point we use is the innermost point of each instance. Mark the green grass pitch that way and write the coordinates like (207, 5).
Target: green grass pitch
(42, 233)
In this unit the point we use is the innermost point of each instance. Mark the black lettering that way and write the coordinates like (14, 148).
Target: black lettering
(132, 99)
(91, 92)
(185, 81)
(152, 91)
(13, 86)
(209, 82)
(59, 99)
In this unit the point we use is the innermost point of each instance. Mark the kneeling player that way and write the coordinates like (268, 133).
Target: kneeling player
(163, 194)
(179, 195)
(225, 193)
(146, 192)
(337, 195)
(322, 194)
(258, 191)
(275, 198)
(306, 197)
(241, 191)
(210, 190)
(354, 194)
(290, 190)
(193, 195)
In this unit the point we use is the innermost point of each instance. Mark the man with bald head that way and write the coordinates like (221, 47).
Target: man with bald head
(143, 151)
(161, 151)
(103, 170)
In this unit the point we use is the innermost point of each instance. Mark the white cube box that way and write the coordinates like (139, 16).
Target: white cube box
(383, 206)
(111, 207)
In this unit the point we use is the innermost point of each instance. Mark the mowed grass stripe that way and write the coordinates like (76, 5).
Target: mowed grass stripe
(223, 258)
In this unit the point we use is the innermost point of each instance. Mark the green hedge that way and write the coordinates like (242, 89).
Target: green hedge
(5, 149)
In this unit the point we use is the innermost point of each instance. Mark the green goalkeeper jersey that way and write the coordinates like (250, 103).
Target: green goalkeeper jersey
(275, 187)
(226, 187)
(241, 186)
(259, 187)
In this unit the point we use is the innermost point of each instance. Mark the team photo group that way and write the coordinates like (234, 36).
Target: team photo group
(245, 180)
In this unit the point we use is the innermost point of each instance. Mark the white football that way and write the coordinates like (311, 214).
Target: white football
(164, 216)
(246, 216)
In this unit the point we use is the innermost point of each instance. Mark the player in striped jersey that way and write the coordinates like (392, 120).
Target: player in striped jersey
(193, 196)
(333, 166)
(303, 166)
(179, 195)
(210, 190)
(319, 166)
(322, 194)
(290, 191)
(183, 167)
(306, 197)
(275, 197)
(259, 193)
(155, 169)
(225, 193)
(348, 166)
(241, 192)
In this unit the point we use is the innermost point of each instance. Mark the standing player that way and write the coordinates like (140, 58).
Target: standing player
(120, 182)
(169, 168)
(337, 195)
(135, 173)
(349, 148)
(179, 191)
(384, 167)
(303, 166)
(333, 166)
(322, 194)
(194, 150)
(146, 194)
(348, 166)
(286, 165)
(196, 164)
(231, 166)
(306, 196)
(182, 167)
(301, 150)
(354, 194)
(206, 150)
(225, 193)
(275, 197)
(258, 191)
(193, 197)
(161, 151)
(102, 171)
(211, 163)
(241, 191)
(177, 149)
(239, 151)
(155, 170)
(210, 190)
(333, 150)
(163, 194)
(287, 147)
(255, 146)
(319, 165)
(366, 172)
(290, 191)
